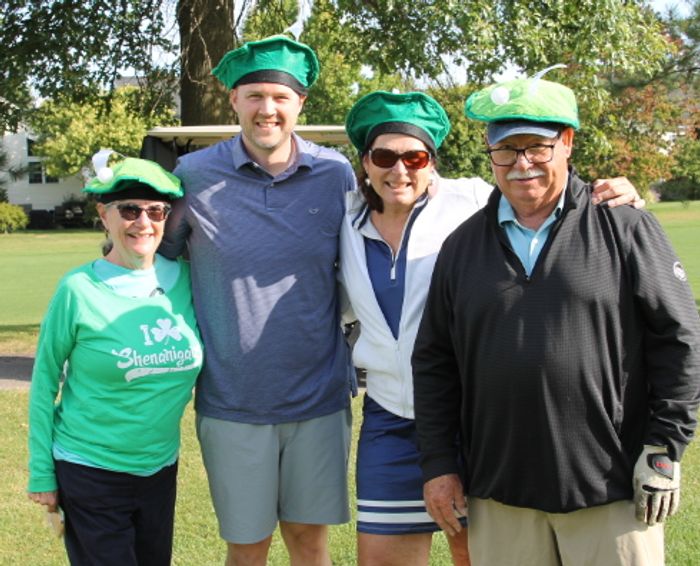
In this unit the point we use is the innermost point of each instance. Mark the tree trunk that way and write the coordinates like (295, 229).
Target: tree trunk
(206, 34)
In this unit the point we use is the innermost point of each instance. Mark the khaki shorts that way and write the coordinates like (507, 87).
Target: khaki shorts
(607, 535)
(262, 474)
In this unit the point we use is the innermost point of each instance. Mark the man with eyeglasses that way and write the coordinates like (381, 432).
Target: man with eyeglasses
(561, 342)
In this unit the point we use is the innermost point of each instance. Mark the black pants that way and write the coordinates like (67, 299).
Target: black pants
(114, 518)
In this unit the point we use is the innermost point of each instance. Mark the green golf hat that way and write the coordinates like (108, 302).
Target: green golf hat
(275, 59)
(414, 113)
(131, 178)
(531, 105)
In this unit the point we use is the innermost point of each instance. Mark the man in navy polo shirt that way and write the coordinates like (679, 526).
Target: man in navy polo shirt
(261, 218)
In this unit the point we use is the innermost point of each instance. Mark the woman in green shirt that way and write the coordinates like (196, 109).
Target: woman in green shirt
(117, 358)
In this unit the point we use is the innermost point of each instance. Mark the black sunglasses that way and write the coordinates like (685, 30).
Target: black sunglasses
(385, 158)
(155, 213)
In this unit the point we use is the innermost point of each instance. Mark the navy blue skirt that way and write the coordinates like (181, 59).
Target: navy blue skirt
(389, 480)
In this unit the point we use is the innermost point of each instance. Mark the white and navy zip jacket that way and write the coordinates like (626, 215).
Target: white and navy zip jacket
(386, 359)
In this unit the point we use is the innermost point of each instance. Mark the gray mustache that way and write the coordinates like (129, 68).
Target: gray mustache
(529, 174)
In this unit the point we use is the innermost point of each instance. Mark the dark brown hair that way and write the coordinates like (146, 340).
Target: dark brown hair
(374, 201)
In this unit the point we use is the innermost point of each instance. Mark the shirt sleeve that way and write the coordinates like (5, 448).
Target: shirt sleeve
(436, 381)
(56, 339)
(347, 313)
(672, 336)
(177, 229)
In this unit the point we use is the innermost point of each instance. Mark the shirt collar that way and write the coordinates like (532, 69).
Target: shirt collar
(507, 214)
(304, 154)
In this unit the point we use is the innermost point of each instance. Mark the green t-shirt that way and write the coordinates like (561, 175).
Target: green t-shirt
(130, 365)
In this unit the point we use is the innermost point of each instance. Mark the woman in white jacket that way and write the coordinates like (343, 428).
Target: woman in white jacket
(393, 229)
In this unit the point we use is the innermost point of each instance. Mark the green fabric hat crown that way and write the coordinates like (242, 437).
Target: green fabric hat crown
(273, 54)
(531, 99)
(129, 172)
(412, 113)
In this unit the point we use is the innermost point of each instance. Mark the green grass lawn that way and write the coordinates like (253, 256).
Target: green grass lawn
(682, 224)
(25, 538)
(30, 265)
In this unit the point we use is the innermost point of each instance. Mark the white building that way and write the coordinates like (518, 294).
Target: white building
(36, 190)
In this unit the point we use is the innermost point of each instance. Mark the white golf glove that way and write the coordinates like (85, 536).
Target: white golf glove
(657, 485)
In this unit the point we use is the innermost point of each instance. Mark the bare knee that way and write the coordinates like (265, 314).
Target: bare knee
(306, 544)
(393, 550)
(254, 554)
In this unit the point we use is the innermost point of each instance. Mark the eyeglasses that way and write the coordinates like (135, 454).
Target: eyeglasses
(537, 153)
(414, 159)
(155, 213)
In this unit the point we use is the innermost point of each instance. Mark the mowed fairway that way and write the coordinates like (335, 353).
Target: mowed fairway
(682, 224)
(31, 264)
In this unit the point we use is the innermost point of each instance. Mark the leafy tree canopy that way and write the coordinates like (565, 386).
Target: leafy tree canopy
(69, 51)
(343, 76)
(684, 32)
(73, 49)
(71, 132)
(65, 47)
(429, 39)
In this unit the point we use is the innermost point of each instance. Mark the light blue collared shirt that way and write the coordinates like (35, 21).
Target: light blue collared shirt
(527, 243)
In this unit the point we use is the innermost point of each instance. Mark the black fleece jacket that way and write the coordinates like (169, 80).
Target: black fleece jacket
(554, 382)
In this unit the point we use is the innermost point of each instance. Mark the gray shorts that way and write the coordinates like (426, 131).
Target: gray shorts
(262, 474)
